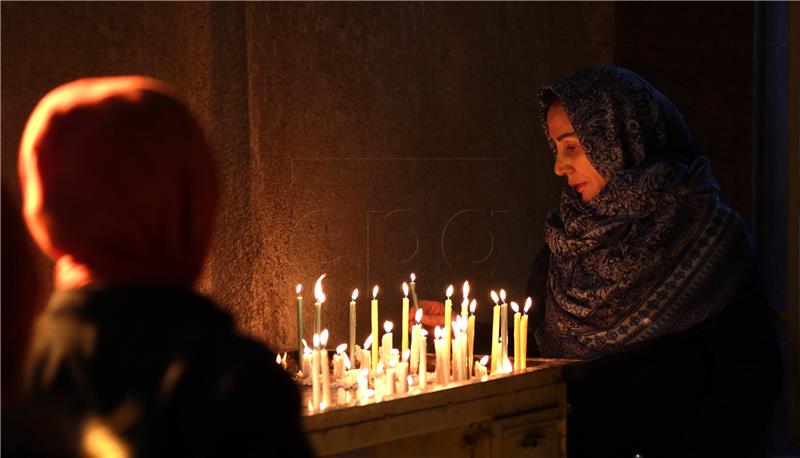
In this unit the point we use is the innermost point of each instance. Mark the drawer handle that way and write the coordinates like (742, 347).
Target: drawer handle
(531, 440)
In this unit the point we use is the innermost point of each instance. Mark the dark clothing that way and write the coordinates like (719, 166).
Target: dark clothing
(707, 391)
(165, 371)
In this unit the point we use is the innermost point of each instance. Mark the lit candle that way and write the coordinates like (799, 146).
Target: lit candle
(375, 336)
(415, 336)
(353, 323)
(404, 327)
(471, 333)
(523, 329)
(379, 381)
(457, 360)
(465, 300)
(363, 385)
(423, 358)
(414, 291)
(307, 356)
(507, 367)
(448, 311)
(315, 385)
(338, 362)
(386, 345)
(517, 337)
(298, 289)
(320, 297)
(495, 333)
(480, 367)
(365, 358)
(503, 326)
(402, 373)
(326, 374)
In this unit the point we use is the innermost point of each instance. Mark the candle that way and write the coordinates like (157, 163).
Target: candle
(448, 311)
(480, 367)
(495, 333)
(457, 361)
(315, 385)
(375, 326)
(523, 329)
(465, 300)
(307, 356)
(517, 337)
(326, 374)
(353, 298)
(404, 327)
(365, 358)
(471, 333)
(415, 336)
(402, 373)
(298, 289)
(463, 351)
(438, 345)
(423, 358)
(363, 385)
(379, 381)
(320, 297)
(503, 326)
(338, 362)
(389, 382)
(386, 345)
(507, 367)
(414, 291)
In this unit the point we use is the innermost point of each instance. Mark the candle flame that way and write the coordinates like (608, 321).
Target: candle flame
(410, 380)
(316, 340)
(424, 332)
(437, 333)
(465, 303)
(364, 373)
(379, 367)
(347, 364)
(305, 347)
(318, 294)
(528, 304)
(298, 289)
(514, 307)
(494, 297)
(418, 316)
(449, 291)
(484, 360)
(310, 406)
(341, 348)
(413, 277)
(503, 295)
(387, 326)
(323, 337)
(507, 367)
(322, 405)
(405, 289)
(472, 306)
(354, 296)
(278, 359)
(368, 342)
(375, 292)
(456, 326)
(465, 289)
(406, 355)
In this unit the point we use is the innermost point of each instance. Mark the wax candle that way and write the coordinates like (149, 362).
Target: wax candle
(307, 356)
(465, 300)
(438, 345)
(413, 286)
(480, 367)
(379, 381)
(326, 374)
(523, 329)
(375, 336)
(363, 385)
(338, 362)
(389, 383)
(457, 360)
(402, 373)
(404, 327)
(353, 298)
(448, 311)
(423, 358)
(503, 326)
(386, 345)
(495, 333)
(415, 336)
(517, 336)
(507, 367)
(366, 357)
(299, 307)
(320, 297)
(471, 333)
(316, 393)
(463, 351)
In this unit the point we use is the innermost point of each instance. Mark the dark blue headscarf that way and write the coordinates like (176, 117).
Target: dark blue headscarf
(658, 250)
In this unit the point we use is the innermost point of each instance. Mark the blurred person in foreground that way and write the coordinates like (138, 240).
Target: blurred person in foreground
(120, 190)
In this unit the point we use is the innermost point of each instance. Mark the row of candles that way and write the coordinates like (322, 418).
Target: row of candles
(391, 370)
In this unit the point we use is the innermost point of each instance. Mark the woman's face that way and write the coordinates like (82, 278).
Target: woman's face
(571, 160)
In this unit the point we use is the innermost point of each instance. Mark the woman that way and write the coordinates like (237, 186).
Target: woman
(648, 277)
(120, 191)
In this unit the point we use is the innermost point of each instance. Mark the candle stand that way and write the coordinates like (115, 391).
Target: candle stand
(522, 413)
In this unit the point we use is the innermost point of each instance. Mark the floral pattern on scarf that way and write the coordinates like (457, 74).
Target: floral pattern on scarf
(658, 250)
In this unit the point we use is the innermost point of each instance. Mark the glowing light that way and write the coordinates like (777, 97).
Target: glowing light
(406, 355)
(375, 292)
(503, 295)
(473, 306)
(413, 277)
(424, 332)
(514, 307)
(340, 348)
(418, 315)
(449, 291)
(323, 405)
(494, 297)
(528, 304)
(484, 361)
(318, 294)
(354, 296)
(298, 289)
(368, 342)
(405, 289)
(315, 340)
(387, 326)
(100, 440)
(323, 338)
(305, 347)
(465, 289)
(507, 367)
(410, 380)
(437, 333)
(278, 359)
(347, 364)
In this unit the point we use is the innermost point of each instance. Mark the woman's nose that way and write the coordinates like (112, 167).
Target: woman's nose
(562, 166)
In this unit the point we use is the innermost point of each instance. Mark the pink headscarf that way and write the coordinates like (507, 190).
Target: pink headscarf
(119, 183)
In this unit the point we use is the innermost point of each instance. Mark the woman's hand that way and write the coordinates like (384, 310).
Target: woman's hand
(432, 315)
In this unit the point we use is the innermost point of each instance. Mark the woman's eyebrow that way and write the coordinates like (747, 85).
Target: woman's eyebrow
(565, 135)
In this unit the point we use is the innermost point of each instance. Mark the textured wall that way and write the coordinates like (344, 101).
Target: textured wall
(362, 140)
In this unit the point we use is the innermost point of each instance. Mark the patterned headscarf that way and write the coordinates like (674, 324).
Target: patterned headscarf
(658, 250)
(119, 183)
